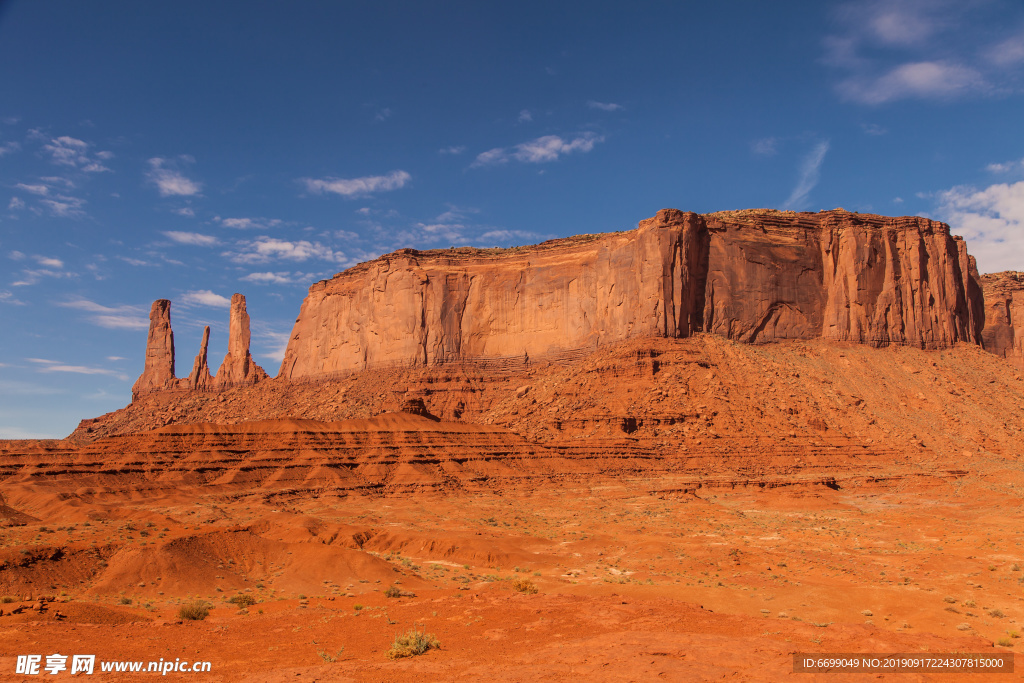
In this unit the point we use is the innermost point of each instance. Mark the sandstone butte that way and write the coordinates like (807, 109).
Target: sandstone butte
(753, 276)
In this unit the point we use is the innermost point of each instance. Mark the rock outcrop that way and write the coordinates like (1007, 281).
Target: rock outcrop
(1004, 315)
(200, 378)
(158, 372)
(752, 276)
(238, 366)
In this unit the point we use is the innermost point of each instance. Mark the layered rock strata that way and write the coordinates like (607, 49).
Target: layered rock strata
(158, 374)
(753, 276)
(1004, 315)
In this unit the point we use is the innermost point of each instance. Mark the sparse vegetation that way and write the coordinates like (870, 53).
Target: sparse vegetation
(393, 592)
(125, 600)
(997, 613)
(524, 586)
(194, 611)
(330, 658)
(243, 600)
(412, 643)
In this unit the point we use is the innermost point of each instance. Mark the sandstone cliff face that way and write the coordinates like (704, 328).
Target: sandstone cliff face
(1004, 315)
(752, 276)
(158, 372)
(238, 366)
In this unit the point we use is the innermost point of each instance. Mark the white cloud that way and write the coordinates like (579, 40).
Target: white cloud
(41, 190)
(193, 238)
(204, 297)
(354, 187)
(248, 223)
(873, 129)
(49, 262)
(265, 249)
(57, 366)
(1006, 167)
(9, 147)
(455, 150)
(64, 206)
(268, 278)
(765, 146)
(16, 256)
(15, 204)
(541, 150)
(525, 116)
(185, 211)
(169, 181)
(9, 298)
(927, 80)
(69, 151)
(604, 106)
(810, 170)
(992, 222)
(505, 236)
(383, 114)
(110, 317)
(1007, 53)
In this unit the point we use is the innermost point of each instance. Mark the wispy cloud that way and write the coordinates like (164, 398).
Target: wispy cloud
(382, 114)
(204, 297)
(268, 278)
(49, 262)
(454, 150)
(765, 146)
(38, 189)
(266, 249)
(110, 317)
(525, 116)
(893, 50)
(169, 180)
(69, 151)
(7, 297)
(541, 150)
(1006, 167)
(873, 129)
(604, 106)
(64, 206)
(9, 147)
(46, 365)
(810, 171)
(193, 238)
(16, 204)
(249, 223)
(992, 221)
(355, 187)
(926, 80)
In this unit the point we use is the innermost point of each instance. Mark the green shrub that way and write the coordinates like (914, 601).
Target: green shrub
(411, 643)
(194, 611)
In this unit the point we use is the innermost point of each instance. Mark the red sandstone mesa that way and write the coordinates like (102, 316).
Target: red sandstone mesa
(158, 373)
(238, 366)
(751, 276)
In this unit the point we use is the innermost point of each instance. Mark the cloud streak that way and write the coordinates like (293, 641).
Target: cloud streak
(192, 238)
(110, 317)
(355, 187)
(204, 297)
(169, 181)
(810, 171)
(544, 149)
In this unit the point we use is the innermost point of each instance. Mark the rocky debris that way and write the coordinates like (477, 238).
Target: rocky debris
(752, 276)
(158, 372)
(200, 377)
(238, 366)
(1003, 334)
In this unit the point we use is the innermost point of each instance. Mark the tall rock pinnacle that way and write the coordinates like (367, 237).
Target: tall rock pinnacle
(200, 377)
(238, 366)
(158, 372)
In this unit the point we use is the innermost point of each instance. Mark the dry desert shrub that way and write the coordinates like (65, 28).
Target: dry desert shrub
(411, 643)
(1005, 642)
(393, 592)
(194, 611)
(524, 586)
(243, 600)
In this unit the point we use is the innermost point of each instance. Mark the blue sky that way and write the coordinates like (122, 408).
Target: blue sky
(190, 150)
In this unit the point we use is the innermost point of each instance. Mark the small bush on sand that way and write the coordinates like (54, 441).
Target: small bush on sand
(393, 592)
(411, 643)
(126, 601)
(243, 600)
(1005, 642)
(194, 611)
(524, 586)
